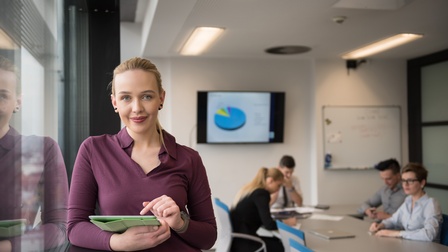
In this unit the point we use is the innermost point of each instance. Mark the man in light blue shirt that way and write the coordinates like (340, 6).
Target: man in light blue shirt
(390, 196)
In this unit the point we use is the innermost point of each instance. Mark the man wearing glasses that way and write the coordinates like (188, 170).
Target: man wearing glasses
(390, 196)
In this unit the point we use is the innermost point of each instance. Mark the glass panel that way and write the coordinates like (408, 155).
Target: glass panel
(440, 195)
(435, 159)
(434, 90)
(33, 179)
(32, 80)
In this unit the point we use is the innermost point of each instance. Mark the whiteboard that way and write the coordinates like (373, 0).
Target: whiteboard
(359, 137)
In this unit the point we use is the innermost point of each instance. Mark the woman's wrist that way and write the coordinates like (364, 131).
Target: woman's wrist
(186, 219)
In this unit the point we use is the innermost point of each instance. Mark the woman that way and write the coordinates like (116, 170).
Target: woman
(140, 170)
(420, 216)
(250, 210)
(33, 178)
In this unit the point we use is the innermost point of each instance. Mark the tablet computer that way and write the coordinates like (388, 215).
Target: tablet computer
(11, 228)
(119, 223)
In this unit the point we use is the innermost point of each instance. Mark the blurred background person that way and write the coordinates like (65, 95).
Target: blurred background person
(420, 216)
(390, 196)
(290, 193)
(250, 210)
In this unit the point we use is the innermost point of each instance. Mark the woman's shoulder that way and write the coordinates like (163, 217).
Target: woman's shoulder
(432, 202)
(99, 140)
(33, 142)
(260, 192)
(171, 144)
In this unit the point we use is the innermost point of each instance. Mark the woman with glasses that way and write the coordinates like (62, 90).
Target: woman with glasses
(419, 217)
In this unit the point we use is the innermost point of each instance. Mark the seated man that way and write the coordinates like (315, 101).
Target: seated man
(289, 193)
(390, 196)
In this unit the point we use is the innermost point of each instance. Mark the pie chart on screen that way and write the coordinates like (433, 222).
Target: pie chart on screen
(230, 118)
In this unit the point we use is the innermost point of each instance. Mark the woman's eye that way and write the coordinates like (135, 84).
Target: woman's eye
(4, 97)
(125, 98)
(146, 97)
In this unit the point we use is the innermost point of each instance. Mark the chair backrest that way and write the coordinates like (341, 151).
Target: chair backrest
(288, 232)
(224, 240)
(296, 246)
(444, 231)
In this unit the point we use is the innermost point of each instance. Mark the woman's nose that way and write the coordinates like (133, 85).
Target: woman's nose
(137, 106)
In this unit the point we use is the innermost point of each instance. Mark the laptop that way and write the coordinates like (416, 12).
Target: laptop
(330, 233)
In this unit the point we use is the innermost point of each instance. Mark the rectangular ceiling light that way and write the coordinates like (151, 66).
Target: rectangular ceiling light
(382, 45)
(5, 41)
(200, 40)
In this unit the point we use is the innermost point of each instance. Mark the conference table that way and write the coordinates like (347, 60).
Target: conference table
(362, 241)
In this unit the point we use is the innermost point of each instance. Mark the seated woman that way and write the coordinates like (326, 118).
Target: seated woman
(419, 217)
(250, 210)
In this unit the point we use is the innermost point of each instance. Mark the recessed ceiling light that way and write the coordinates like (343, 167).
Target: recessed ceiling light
(382, 45)
(288, 50)
(200, 40)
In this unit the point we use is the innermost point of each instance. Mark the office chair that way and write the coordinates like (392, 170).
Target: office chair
(288, 232)
(225, 231)
(296, 246)
(444, 231)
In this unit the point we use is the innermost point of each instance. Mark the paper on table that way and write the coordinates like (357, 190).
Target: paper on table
(326, 217)
(297, 209)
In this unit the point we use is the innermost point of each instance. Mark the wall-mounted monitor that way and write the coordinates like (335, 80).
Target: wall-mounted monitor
(240, 117)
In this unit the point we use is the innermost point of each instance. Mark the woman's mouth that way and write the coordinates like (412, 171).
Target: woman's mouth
(138, 119)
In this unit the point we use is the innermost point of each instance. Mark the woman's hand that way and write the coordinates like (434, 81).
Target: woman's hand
(164, 208)
(388, 233)
(375, 227)
(140, 237)
(292, 221)
(5, 245)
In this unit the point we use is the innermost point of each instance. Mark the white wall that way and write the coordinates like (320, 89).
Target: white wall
(373, 83)
(309, 85)
(231, 166)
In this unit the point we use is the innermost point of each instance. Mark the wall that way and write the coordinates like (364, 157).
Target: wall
(373, 83)
(231, 166)
(309, 85)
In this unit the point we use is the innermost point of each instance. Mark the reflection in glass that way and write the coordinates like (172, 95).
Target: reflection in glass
(33, 177)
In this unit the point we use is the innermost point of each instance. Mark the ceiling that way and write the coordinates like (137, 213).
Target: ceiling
(252, 26)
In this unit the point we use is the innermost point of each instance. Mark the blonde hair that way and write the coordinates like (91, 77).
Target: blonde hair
(147, 66)
(259, 182)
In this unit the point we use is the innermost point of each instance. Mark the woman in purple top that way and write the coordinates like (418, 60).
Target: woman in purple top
(33, 178)
(140, 170)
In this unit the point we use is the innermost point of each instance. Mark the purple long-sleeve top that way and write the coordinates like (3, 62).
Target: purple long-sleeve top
(105, 173)
(34, 187)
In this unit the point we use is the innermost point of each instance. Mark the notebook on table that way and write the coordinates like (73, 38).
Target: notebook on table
(329, 233)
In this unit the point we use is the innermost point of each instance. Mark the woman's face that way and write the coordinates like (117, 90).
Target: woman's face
(411, 185)
(137, 100)
(8, 97)
(273, 185)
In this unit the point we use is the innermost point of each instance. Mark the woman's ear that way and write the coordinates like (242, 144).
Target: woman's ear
(19, 101)
(113, 100)
(423, 183)
(162, 96)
